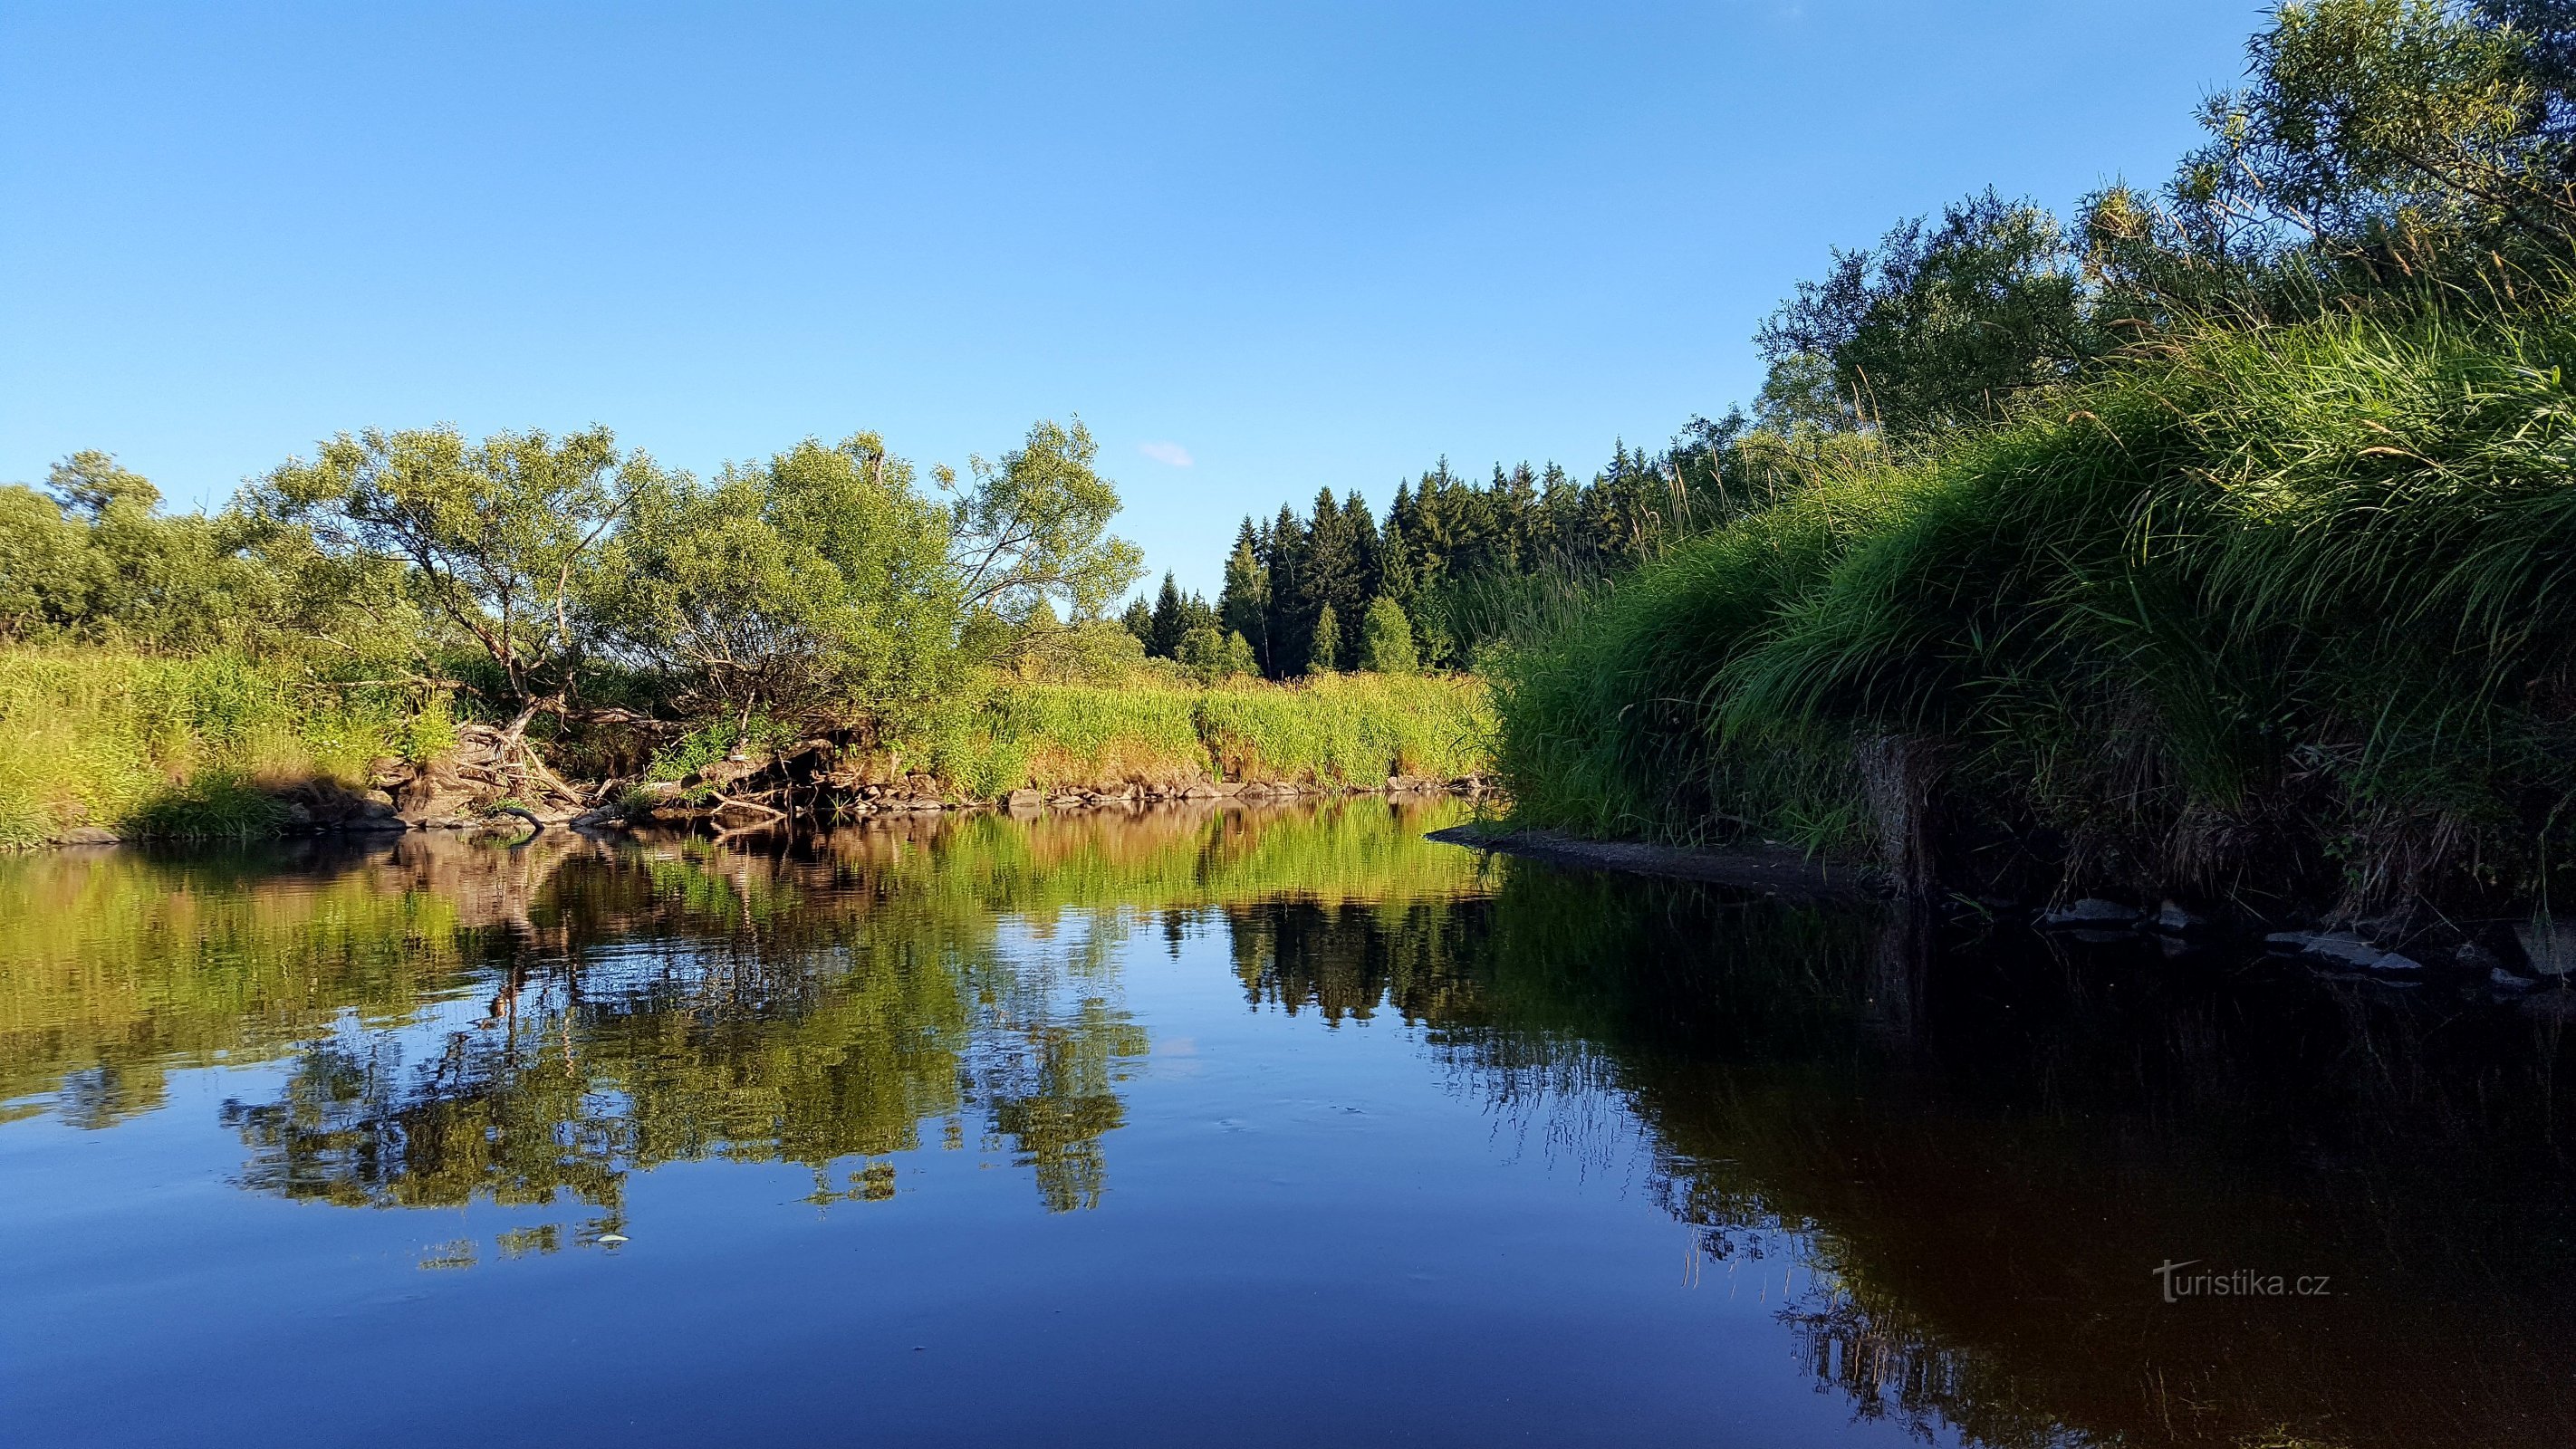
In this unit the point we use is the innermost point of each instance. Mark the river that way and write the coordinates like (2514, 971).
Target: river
(1233, 1125)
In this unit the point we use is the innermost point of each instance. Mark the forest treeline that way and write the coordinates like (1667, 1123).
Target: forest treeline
(2214, 540)
(2215, 543)
(1340, 587)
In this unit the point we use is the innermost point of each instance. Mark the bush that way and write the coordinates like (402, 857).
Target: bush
(1386, 639)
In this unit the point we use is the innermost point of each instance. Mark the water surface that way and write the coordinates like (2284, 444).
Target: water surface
(1222, 1126)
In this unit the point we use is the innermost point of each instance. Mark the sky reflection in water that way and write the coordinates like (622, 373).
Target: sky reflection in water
(1275, 1126)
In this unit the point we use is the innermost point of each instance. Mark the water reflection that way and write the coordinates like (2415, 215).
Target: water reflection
(1953, 1166)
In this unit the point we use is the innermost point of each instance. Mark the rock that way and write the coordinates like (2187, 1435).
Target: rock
(2339, 946)
(1067, 802)
(89, 835)
(1201, 790)
(2391, 963)
(375, 825)
(2550, 945)
(2092, 911)
(1024, 800)
(2506, 981)
(2475, 957)
(2176, 919)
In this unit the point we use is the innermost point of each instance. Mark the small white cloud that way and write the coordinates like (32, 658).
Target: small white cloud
(1171, 453)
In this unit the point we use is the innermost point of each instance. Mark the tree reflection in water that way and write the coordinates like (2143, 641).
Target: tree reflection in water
(1964, 1164)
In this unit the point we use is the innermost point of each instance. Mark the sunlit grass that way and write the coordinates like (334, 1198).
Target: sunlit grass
(2302, 595)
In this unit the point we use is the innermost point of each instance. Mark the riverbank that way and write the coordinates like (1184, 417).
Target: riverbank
(98, 746)
(2271, 623)
(1772, 870)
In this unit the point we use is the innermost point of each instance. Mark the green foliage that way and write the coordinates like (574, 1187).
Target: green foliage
(2379, 146)
(805, 585)
(429, 733)
(1930, 329)
(2270, 597)
(494, 537)
(1213, 658)
(1324, 648)
(1350, 729)
(97, 561)
(1386, 639)
(1035, 528)
(2371, 116)
(150, 745)
(1173, 619)
(1333, 731)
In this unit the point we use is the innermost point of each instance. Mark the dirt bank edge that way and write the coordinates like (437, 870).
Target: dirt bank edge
(1771, 870)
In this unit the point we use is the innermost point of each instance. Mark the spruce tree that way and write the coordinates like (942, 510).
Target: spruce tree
(1171, 621)
(1324, 652)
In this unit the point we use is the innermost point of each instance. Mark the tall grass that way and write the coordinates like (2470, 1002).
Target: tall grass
(2297, 598)
(1335, 730)
(147, 745)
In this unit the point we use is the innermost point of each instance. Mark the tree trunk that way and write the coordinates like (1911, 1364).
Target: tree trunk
(1898, 773)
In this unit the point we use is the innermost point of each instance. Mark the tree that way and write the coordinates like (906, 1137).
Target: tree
(1163, 641)
(495, 535)
(98, 560)
(90, 483)
(2367, 116)
(1323, 654)
(1212, 657)
(45, 566)
(2377, 144)
(803, 586)
(1931, 328)
(1036, 526)
(1386, 639)
(1139, 620)
(1243, 605)
(1287, 626)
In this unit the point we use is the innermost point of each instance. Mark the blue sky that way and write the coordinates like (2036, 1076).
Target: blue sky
(1258, 249)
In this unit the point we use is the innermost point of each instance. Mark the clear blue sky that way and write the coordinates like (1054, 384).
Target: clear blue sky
(1295, 246)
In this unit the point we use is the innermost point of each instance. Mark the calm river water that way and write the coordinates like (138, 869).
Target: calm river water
(1223, 1127)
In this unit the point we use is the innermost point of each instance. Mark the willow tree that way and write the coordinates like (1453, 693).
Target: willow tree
(1034, 529)
(807, 585)
(493, 537)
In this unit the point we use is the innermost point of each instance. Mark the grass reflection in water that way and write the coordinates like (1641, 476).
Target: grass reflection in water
(1963, 1164)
